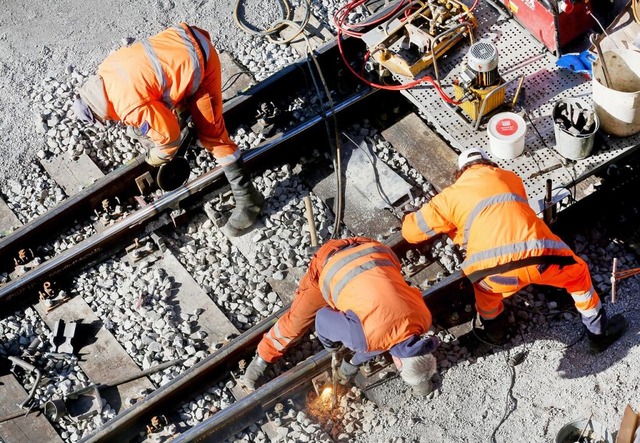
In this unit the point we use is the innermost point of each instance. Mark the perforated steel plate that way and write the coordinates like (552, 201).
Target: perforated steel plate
(519, 53)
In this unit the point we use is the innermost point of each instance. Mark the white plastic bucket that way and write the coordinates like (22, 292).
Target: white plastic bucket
(506, 132)
(618, 107)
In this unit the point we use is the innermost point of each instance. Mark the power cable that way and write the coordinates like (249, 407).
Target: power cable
(232, 79)
(511, 402)
(277, 27)
(336, 147)
(347, 29)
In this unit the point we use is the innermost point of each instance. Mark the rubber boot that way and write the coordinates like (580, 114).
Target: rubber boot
(249, 202)
(615, 328)
(496, 329)
(254, 373)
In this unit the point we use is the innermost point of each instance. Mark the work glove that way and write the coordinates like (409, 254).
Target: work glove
(154, 159)
(254, 372)
(347, 372)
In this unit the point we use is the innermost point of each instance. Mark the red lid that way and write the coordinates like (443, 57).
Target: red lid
(506, 126)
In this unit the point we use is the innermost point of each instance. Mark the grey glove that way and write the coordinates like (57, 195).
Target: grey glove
(153, 158)
(254, 372)
(347, 372)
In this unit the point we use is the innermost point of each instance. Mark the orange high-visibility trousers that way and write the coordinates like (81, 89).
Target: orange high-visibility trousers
(575, 278)
(295, 321)
(205, 107)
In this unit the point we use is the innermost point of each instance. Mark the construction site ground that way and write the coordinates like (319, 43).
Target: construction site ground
(482, 398)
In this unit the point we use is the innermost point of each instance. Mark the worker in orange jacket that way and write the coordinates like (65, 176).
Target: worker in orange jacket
(355, 291)
(148, 84)
(507, 246)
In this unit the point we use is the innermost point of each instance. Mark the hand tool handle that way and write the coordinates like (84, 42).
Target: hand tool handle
(311, 221)
(613, 280)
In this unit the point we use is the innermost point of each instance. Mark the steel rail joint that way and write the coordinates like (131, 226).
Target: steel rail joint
(92, 246)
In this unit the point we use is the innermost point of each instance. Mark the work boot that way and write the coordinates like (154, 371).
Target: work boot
(495, 329)
(615, 328)
(347, 371)
(254, 373)
(249, 202)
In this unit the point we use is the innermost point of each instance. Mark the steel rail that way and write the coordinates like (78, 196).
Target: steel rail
(97, 245)
(84, 201)
(34, 232)
(249, 409)
(126, 425)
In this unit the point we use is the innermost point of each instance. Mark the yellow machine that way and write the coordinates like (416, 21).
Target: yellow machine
(479, 85)
(420, 34)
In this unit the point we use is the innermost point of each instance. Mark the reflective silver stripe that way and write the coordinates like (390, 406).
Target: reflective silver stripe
(422, 224)
(514, 248)
(160, 75)
(335, 267)
(164, 155)
(193, 54)
(354, 273)
(493, 200)
(581, 298)
(278, 336)
(590, 312)
(204, 43)
(276, 344)
(489, 315)
(227, 159)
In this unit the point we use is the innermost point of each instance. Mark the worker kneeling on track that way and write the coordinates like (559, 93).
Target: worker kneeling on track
(508, 247)
(150, 84)
(355, 291)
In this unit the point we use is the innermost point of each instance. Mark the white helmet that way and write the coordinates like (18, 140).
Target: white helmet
(470, 155)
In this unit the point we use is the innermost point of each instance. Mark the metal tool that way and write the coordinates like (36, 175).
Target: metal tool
(176, 172)
(585, 428)
(335, 367)
(312, 225)
(86, 402)
(614, 280)
(414, 38)
(596, 44)
(27, 367)
(550, 210)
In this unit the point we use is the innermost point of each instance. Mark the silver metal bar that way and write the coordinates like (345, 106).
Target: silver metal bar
(170, 200)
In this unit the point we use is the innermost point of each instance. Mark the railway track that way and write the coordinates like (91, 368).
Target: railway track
(214, 366)
(22, 290)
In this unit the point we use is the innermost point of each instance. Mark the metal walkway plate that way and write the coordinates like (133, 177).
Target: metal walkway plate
(545, 83)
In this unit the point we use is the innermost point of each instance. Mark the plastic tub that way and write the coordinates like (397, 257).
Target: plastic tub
(506, 132)
(574, 147)
(618, 107)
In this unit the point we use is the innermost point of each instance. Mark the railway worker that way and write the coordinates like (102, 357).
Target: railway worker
(149, 84)
(507, 247)
(355, 291)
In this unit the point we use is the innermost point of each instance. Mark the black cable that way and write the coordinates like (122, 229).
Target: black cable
(231, 80)
(336, 149)
(511, 403)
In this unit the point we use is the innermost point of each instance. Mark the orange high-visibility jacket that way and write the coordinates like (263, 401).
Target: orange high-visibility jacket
(366, 279)
(486, 211)
(144, 82)
(399, 309)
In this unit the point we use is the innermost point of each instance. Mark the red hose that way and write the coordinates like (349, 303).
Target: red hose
(339, 19)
